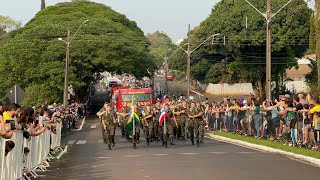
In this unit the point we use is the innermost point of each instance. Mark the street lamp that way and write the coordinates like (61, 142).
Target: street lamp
(66, 72)
(189, 52)
(165, 58)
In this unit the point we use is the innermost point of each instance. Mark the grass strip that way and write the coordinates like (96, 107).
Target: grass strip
(268, 143)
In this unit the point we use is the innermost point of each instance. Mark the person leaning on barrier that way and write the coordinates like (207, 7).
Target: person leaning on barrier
(4, 132)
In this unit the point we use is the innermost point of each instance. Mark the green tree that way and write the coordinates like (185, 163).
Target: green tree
(33, 57)
(160, 43)
(8, 24)
(312, 76)
(243, 50)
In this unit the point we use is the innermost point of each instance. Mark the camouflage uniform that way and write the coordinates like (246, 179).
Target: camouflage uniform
(199, 125)
(157, 128)
(148, 126)
(193, 124)
(102, 128)
(181, 121)
(108, 119)
(135, 138)
(123, 121)
(169, 130)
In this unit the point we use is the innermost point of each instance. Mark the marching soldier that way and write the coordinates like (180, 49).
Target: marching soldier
(168, 135)
(201, 121)
(148, 123)
(179, 115)
(123, 115)
(135, 135)
(102, 127)
(195, 116)
(156, 126)
(108, 123)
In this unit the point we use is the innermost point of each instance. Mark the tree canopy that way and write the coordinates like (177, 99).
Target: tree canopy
(240, 49)
(7, 24)
(34, 58)
(161, 44)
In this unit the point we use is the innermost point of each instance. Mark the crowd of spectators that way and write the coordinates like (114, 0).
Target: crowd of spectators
(293, 121)
(33, 121)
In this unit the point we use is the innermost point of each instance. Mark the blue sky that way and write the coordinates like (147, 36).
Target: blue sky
(169, 16)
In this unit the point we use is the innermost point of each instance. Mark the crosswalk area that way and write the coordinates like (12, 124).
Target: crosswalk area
(100, 141)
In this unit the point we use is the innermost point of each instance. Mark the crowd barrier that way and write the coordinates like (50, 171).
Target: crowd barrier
(16, 166)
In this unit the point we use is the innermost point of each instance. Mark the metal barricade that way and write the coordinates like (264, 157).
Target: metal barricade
(13, 165)
(56, 138)
(2, 155)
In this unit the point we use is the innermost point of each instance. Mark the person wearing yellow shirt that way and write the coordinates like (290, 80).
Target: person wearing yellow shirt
(7, 134)
(315, 112)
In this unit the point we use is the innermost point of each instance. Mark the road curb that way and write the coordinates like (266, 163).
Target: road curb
(311, 160)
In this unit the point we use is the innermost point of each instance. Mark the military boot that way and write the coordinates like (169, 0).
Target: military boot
(166, 144)
(134, 146)
(109, 146)
(201, 140)
(183, 139)
(192, 141)
(148, 141)
(198, 144)
(171, 142)
(113, 142)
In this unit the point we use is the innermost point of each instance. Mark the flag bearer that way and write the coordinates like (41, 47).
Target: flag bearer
(133, 124)
(165, 122)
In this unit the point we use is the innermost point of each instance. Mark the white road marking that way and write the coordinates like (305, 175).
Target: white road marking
(146, 176)
(103, 157)
(93, 126)
(71, 142)
(217, 152)
(188, 153)
(82, 142)
(130, 156)
(246, 152)
(141, 170)
(159, 154)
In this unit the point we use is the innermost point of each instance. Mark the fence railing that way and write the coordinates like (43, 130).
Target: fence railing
(15, 165)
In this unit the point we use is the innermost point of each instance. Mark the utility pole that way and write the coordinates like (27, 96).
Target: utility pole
(316, 22)
(268, 16)
(66, 73)
(188, 63)
(166, 66)
(268, 63)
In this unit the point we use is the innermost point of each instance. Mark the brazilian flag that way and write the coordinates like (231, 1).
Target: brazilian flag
(133, 117)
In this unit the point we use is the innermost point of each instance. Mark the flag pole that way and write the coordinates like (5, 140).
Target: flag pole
(134, 123)
(164, 127)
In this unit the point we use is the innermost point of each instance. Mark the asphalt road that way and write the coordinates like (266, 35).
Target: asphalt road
(88, 158)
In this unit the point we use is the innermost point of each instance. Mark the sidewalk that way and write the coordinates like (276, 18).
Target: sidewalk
(305, 155)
